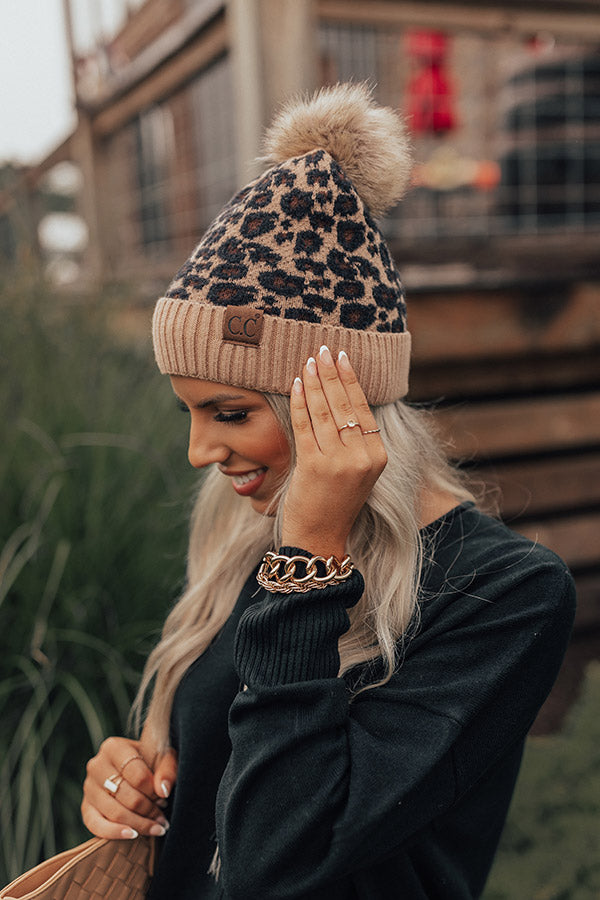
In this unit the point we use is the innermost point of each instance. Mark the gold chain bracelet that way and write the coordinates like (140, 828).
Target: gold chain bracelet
(278, 573)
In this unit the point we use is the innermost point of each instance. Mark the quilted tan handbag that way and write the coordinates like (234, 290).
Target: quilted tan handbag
(120, 870)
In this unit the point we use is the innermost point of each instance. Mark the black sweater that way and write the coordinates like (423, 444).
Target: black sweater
(401, 792)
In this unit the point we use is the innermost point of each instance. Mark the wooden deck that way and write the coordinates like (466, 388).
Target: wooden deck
(514, 376)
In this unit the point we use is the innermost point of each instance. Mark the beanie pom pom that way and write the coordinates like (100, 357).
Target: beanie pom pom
(368, 141)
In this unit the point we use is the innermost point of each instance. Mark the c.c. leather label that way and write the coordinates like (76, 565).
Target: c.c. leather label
(243, 325)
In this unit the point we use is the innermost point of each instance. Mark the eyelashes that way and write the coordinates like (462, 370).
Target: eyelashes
(232, 418)
(235, 417)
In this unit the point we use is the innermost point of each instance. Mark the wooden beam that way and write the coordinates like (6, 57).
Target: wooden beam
(290, 50)
(150, 20)
(503, 323)
(542, 486)
(521, 374)
(247, 71)
(516, 427)
(273, 56)
(583, 25)
(88, 156)
(588, 601)
(211, 44)
(575, 539)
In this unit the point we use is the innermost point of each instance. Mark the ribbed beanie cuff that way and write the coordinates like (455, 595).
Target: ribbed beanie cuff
(189, 340)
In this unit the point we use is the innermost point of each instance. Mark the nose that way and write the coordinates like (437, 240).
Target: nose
(204, 448)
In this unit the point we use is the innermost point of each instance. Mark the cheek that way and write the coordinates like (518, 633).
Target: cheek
(279, 451)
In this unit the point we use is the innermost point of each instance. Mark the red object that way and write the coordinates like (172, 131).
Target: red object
(427, 44)
(430, 98)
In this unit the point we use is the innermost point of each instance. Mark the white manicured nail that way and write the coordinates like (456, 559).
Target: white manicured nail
(129, 834)
(311, 365)
(165, 788)
(343, 359)
(297, 386)
(325, 356)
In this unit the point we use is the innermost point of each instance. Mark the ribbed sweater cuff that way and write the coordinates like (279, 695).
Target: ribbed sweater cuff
(286, 638)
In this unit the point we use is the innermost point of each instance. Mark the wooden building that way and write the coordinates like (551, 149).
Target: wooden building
(498, 240)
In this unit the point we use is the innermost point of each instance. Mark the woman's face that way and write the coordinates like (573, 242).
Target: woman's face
(237, 430)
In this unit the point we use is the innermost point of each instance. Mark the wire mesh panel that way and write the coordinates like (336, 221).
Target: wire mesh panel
(154, 145)
(170, 171)
(506, 130)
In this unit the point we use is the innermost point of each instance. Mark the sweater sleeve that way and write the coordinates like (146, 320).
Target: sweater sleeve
(318, 784)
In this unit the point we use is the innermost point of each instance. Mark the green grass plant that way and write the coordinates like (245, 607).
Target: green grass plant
(95, 499)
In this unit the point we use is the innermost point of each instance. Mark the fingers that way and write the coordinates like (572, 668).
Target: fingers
(341, 408)
(325, 404)
(121, 757)
(328, 400)
(139, 775)
(165, 774)
(127, 807)
(101, 827)
(119, 792)
(321, 415)
(320, 405)
(355, 393)
(106, 817)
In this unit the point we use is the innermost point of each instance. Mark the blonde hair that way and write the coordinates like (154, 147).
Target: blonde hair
(228, 539)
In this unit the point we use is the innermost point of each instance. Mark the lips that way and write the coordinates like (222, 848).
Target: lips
(246, 483)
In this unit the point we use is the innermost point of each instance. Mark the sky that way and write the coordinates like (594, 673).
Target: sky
(35, 99)
(36, 106)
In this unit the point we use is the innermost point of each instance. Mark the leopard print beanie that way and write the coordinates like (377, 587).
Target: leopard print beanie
(296, 260)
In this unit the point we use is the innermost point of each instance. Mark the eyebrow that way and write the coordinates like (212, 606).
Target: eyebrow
(216, 398)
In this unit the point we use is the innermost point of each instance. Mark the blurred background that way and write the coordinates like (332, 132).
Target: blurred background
(126, 124)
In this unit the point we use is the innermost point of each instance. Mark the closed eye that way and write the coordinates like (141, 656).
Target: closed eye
(236, 416)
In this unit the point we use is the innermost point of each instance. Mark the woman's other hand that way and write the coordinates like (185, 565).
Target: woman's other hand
(123, 795)
(336, 466)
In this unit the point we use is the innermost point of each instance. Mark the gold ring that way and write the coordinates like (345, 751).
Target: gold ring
(349, 424)
(111, 784)
(372, 431)
(130, 760)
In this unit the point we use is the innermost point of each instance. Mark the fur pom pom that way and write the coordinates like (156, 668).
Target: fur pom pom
(368, 141)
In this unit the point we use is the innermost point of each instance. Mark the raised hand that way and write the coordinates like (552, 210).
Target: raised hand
(122, 795)
(339, 456)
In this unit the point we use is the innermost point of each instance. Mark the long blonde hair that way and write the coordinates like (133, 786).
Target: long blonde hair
(228, 539)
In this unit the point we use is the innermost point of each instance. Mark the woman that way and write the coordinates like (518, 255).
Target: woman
(350, 726)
